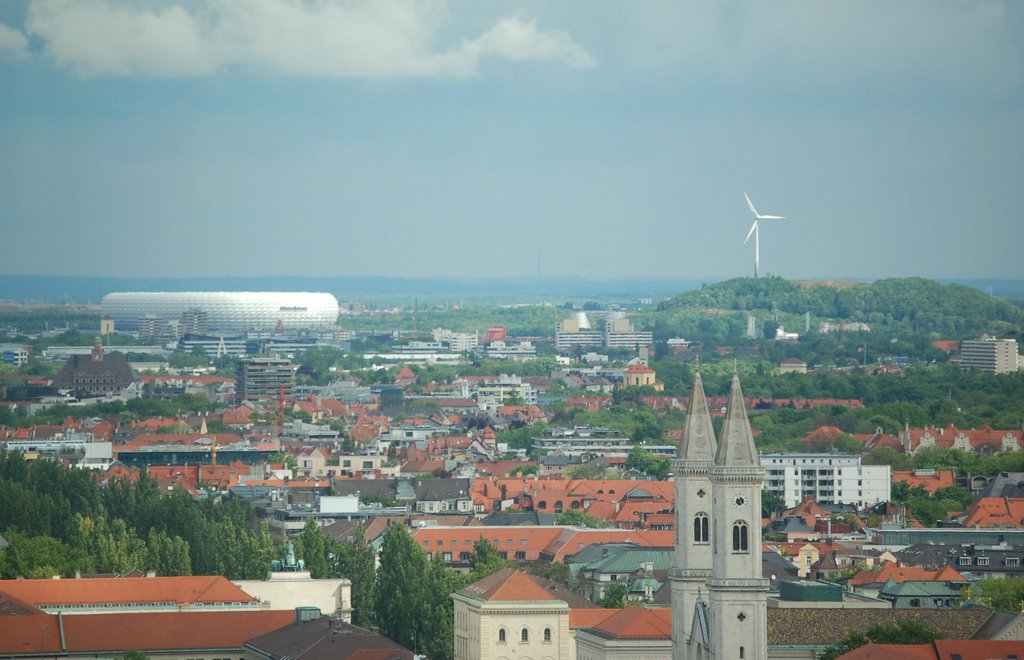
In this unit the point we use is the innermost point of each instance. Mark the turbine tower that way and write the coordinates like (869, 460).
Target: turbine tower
(757, 234)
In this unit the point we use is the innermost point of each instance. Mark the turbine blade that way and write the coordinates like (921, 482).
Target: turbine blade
(753, 228)
(751, 205)
(771, 217)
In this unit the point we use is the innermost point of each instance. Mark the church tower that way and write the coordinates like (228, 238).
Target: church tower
(737, 592)
(693, 557)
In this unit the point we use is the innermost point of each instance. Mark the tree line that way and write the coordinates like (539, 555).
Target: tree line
(60, 521)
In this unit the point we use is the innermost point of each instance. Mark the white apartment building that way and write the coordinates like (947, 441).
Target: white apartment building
(991, 355)
(828, 478)
(494, 393)
(583, 440)
(457, 342)
(500, 349)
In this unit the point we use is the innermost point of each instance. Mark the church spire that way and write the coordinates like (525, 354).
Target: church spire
(736, 448)
(698, 442)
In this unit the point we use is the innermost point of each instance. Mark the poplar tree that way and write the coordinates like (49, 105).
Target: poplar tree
(401, 593)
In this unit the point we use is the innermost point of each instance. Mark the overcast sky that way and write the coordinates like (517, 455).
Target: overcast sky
(594, 139)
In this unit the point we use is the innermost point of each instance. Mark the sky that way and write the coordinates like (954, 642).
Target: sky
(468, 139)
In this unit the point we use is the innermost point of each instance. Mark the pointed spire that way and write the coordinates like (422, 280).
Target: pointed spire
(736, 448)
(698, 442)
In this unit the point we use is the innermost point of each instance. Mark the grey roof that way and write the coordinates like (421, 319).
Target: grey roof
(95, 366)
(698, 441)
(441, 489)
(593, 552)
(327, 639)
(511, 518)
(776, 568)
(374, 487)
(1005, 484)
(935, 556)
(736, 444)
(790, 524)
(559, 459)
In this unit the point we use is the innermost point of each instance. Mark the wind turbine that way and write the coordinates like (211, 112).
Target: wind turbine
(757, 234)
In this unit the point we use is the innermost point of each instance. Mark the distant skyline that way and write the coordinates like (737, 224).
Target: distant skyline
(188, 138)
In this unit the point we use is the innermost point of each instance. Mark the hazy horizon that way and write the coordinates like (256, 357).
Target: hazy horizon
(461, 140)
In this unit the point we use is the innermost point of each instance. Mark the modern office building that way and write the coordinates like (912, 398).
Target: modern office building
(195, 320)
(618, 332)
(828, 478)
(224, 311)
(988, 354)
(15, 354)
(577, 333)
(266, 378)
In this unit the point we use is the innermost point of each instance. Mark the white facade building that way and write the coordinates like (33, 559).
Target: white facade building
(828, 478)
(991, 355)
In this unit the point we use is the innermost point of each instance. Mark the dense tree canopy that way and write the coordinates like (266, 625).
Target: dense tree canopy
(53, 510)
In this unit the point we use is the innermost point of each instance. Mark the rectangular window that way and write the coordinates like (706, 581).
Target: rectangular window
(964, 561)
(983, 561)
(1013, 561)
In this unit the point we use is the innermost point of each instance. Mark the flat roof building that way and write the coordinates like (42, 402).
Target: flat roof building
(266, 378)
(991, 355)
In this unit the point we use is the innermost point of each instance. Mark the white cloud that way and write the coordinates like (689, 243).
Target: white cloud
(12, 43)
(519, 40)
(313, 38)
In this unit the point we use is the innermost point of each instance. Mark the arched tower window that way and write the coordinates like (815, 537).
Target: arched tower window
(701, 531)
(524, 635)
(740, 542)
(547, 634)
(501, 635)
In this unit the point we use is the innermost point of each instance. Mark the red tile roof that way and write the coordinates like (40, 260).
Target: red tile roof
(637, 623)
(996, 512)
(182, 591)
(930, 482)
(940, 649)
(141, 631)
(588, 617)
(508, 584)
(901, 574)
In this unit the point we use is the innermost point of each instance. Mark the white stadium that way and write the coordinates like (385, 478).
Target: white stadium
(234, 311)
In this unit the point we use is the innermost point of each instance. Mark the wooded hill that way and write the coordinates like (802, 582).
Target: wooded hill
(905, 304)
